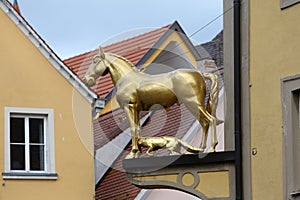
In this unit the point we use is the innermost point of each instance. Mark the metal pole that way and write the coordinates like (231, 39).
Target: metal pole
(237, 101)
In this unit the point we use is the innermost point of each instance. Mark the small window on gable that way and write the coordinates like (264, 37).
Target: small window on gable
(287, 3)
(29, 145)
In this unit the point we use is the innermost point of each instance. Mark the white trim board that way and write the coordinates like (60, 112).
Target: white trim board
(48, 53)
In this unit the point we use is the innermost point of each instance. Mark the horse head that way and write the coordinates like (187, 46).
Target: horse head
(97, 68)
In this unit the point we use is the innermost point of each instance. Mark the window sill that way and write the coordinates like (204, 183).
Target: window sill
(29, 176)
(295, 194)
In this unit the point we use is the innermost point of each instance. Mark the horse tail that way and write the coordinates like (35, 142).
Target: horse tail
(213, 98)
(190, 148)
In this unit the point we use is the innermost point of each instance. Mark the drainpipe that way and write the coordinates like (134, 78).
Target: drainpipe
(237, 100)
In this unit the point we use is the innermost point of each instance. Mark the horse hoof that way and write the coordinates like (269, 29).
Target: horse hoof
(137, 154)
(210, 150)
(130, 155)
(201, 150)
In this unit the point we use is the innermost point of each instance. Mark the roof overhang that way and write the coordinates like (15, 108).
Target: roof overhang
(47, 52)
(174, 27)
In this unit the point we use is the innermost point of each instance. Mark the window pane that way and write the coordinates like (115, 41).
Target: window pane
(37, 157)
(17, 134)
(36, 129)
(17, 157)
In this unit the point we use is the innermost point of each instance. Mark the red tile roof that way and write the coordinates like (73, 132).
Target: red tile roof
(16, 7)
(110, 125)
(133, 49)
(115, 184)
(176, 122)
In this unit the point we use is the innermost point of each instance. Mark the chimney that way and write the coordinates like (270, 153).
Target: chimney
(16, 7)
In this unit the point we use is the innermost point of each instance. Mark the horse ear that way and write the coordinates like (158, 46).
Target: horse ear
(101, 53)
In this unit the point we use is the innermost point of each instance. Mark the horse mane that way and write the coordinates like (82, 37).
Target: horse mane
(124, 59)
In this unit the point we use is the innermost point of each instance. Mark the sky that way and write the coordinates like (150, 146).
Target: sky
(72, 27)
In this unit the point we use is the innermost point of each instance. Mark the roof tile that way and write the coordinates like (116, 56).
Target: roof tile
(176, 122)
(132, 49)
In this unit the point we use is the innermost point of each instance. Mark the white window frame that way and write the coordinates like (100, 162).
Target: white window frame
(287, 3)
(290, 95)
(49, 167)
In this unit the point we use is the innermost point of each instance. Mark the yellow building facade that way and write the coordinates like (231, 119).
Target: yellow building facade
(274, 55)
(270, 68)
(45, 153)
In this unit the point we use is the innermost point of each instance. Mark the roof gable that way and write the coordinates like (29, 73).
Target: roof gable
(132, 49)
(183, 39)
(184, 54)
(213, 49)
(46, 51)
(138, 49)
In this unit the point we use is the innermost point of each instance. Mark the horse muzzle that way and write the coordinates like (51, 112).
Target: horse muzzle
(89, 81)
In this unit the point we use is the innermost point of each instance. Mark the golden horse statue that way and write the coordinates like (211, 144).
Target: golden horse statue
(138, 91)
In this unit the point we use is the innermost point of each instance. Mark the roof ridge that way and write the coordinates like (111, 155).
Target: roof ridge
(122, 41)
(35, 32)
(80, 54)
(130, 38)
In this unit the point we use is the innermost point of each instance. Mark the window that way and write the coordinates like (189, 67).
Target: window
(287, 3)
(290, 93)
(29, 145)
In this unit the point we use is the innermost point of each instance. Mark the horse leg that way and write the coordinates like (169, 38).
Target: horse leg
(212, 124)
(206, 120)
(132, 116)
(205, 127)
(194, 98)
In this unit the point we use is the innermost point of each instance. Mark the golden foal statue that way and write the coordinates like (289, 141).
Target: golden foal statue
(138, 91)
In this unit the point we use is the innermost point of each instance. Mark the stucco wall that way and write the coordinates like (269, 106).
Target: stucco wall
(28, 80)
(274, 54)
